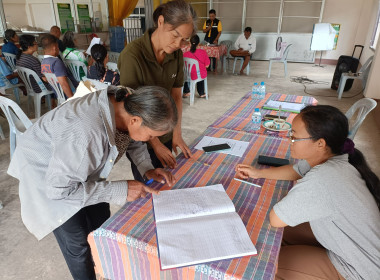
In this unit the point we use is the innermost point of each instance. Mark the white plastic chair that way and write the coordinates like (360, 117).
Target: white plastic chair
(2, 136)
(282, 59)
(17, 120)
(362, 107)
(113, 56)
(112, 66)
(74, 66)
(40, 57)
(6, 84)
(361, 75)
(229, 45)
(241, 63)
(26, 74)
(53, 81)
(11, 60)
(187, 67)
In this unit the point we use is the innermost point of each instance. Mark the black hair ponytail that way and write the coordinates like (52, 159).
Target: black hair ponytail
(18, 55)
(194, 43)
(25, 42)
(99, 54)
(357, 160)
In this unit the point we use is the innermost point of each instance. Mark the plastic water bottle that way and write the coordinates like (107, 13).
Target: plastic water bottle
(255, 91)
(262, 91)
(256, 119)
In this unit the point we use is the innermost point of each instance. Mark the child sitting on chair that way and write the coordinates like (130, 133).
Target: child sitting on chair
(204, 62)
(331, 215)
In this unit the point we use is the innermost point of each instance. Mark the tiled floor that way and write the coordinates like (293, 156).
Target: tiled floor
(23, 257)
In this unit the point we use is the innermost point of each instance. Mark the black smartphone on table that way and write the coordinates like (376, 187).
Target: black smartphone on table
(272, 161)
(216, 148)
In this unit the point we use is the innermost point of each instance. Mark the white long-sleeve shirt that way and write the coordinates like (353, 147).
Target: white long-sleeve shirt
(63, 160)
(246, 44)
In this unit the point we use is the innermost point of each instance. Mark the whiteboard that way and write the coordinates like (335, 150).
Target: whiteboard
(323, 37)
(266, 45)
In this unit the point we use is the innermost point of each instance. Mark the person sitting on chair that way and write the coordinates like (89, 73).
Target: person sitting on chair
(9, 42)
(245, 46)
(71, 52)
(26, 59)
(56, 32)
(203, 61)
(52, 64)
(99, 71)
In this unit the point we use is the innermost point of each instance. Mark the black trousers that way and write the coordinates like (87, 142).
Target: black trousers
(72, 239)
(212, 63)
(200, 87)
(155, 162)
(212, 59)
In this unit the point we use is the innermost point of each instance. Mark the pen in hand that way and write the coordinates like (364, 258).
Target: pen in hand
(149, 182)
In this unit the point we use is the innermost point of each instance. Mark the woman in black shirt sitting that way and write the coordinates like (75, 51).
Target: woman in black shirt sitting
(98, 71)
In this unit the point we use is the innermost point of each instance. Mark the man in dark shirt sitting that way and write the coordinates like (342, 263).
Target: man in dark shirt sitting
(56, 32)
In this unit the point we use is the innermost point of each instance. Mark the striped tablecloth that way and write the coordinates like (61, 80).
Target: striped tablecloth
(125, 246)
(239, 116)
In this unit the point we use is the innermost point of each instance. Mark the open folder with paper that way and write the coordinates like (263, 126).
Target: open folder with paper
(286, 106)
(198, 225)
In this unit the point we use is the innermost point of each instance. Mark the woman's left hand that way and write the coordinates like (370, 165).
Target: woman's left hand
(161, 175)
(179, 143)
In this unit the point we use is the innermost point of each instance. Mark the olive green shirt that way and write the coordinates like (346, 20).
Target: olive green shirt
(138, 67)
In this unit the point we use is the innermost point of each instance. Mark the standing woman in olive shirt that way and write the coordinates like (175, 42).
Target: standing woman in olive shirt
(156, 59)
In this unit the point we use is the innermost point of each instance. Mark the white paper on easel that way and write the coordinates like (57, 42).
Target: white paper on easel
(323, 37)
(94, 41)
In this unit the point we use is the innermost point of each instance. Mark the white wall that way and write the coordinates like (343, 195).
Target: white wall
(38, 13)
(372, 89)
(347, 14)
(15, 12)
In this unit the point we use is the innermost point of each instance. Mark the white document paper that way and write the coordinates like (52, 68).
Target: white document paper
(94, 41)
(198, 225)
(286, 106)
(237, 147)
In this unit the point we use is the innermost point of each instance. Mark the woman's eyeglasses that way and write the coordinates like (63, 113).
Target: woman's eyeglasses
(295, 139)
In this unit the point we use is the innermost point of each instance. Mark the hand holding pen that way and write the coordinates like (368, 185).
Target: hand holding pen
(160, 175)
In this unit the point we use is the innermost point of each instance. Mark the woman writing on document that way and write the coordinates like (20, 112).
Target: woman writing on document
(64, 159)
(333, 209)
(156, 59)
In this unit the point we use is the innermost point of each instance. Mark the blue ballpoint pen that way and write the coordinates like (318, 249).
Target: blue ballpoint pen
(150, 181)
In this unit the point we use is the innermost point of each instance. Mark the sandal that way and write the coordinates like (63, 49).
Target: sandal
(186, 95)
(202, 96)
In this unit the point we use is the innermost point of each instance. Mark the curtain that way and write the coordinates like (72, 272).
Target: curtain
(119, 10)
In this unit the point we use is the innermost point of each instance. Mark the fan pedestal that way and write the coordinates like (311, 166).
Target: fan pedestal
(320, 59)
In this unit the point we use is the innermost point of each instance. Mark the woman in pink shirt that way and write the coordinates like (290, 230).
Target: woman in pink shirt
(204, 62)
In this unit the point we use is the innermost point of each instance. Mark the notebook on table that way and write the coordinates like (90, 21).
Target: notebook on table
(198, 225)
(285, 106)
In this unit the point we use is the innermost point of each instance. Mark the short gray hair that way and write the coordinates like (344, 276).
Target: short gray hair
(68, 39)
(152, 104)
(176, 13)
